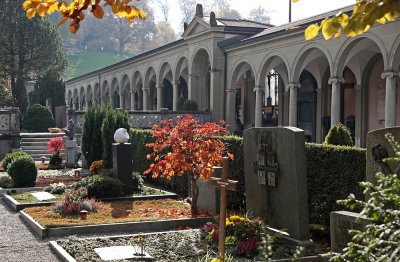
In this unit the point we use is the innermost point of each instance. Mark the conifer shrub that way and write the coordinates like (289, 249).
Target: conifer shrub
(11, 157)
(179, 103)
(190, 105)
(113, 120)
(38, 118)
(339, 135)
(92, 145)
(23, 172)
(101, 186)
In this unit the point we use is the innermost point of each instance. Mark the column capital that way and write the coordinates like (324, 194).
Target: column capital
(159, 86)
(214, 70)
(133, 92)
(121, 93)
(318, 91)
(389, 74)
(293, 85)
(335, 80)
(230, 91)
(146, 89)
(257, 89)
(174, 82)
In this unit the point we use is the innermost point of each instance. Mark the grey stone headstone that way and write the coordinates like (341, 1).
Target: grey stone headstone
(122, 164)
(209, 196)
(340, 224)
(71, 153)
(377, 137)
(279, 197)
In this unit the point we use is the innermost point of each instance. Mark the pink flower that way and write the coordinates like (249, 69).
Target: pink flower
(55, 145)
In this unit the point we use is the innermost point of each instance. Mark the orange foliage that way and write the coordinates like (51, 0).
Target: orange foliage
(187, 148)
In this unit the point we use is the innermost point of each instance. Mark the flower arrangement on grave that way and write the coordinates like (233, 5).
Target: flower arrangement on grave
(243, 235)
(96, 167)
(56, 188)
(186, 147)
(56, 147)
(74, 202)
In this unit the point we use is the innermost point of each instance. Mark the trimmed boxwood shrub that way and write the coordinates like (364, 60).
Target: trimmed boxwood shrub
(333, 172)
(11, 157)
(38, 118)
(190, 105)
(101, 186)
(23, 172)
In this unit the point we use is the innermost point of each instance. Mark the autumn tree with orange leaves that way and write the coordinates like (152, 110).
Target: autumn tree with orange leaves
(187, 148)
(74, 10)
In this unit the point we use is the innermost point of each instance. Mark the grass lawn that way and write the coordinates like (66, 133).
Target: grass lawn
(114, 212)
(82, 62)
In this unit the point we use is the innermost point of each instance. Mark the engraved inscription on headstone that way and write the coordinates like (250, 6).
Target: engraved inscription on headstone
(266, 167)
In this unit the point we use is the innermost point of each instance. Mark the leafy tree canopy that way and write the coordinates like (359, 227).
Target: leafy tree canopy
(365, 14)
(74, 11)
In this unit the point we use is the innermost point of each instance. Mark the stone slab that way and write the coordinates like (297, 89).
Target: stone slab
(43, 196)
(122, 164)
(280, 196)
(340, 224)
(121, 252)
(210, 195)
(374, 138)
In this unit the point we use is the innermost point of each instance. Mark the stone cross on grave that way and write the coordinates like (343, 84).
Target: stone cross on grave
(224, 184)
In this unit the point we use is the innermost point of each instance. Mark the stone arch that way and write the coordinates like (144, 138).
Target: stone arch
(76, 99)
(89, 95)
(273, 77)
(69, 101)
(165, 72)
(137, 90)
(394, 55)
(150, 85)
(125, 90)
(181, 67)
(242, 80)
(348, 52)
(82, 98)
(115, 89)
(200, 85)
(106, 92)
(195, 53)
(96, 94)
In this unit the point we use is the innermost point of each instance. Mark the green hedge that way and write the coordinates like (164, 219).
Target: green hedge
(38, 118)
(333, 172)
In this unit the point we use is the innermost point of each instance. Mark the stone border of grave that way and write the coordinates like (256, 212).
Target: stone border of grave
(66, 257)
(129, 227)
(17, 206)
(20, 190)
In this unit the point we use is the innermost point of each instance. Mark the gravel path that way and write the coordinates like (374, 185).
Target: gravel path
(17, 243)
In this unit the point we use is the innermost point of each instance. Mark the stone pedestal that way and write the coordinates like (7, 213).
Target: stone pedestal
(275, 176)
(341, 223)
(71, 153)
(122, 164)
(209, 200)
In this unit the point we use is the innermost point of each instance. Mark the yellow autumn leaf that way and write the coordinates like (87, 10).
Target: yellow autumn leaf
(382, 20)
(30, 13)
(311, 31)
(329, 29)
(41, 10)
(26, 4)
(391, 16)
(295, 1)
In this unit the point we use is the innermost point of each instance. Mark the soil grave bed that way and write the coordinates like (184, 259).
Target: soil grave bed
(184, 246)
(121, 216)
(23, 199)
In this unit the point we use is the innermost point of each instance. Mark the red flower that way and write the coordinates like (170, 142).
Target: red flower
(55, 145)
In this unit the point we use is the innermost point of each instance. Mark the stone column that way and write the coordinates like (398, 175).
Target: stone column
(133, 102)
(293, 91)
(122, 100)
(175, 90)
(145, 99)
(284, 109)
(258, 107)
(159, 97)
(336, 98)
(230, 109)
(390, 99)
(358, 136)
(191, 86)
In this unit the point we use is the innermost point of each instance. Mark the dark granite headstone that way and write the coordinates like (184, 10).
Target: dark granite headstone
(275, 176)
(122, 164)
(376, 147)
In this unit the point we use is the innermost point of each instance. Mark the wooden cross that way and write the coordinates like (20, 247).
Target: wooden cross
(224, 184)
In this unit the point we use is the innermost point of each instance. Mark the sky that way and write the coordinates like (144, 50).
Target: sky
(279, 8)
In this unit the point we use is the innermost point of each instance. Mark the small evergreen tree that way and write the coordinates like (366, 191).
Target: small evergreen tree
(38, 119)
(339, 135)
(92, 146)
(113, 120)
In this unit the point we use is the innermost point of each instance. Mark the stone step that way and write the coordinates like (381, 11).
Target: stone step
(38, 135)
(28, 144)
(36, 147)
(39, 139)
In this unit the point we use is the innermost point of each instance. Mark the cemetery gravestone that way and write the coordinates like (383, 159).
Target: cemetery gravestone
(122, 158)
(43, 196)
(122, 253)
(210, 197)
(275, 178)
(377, 148)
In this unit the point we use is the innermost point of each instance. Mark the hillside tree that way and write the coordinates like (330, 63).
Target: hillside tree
(27, 48)
(260, 14)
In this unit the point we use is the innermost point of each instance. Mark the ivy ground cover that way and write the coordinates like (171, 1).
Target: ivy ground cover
(115, 212)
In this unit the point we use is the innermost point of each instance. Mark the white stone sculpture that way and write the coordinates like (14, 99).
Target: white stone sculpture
(121, 136)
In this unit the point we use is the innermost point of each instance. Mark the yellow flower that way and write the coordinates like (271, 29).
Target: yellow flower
(216, 260)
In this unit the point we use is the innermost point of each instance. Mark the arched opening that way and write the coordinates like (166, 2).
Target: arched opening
(306, 105)
(181, 74)
(126, 87)
(151, 95)
(89, 95)
(97, 96)
(200, 80)
(82, 102)
(70, 99)
(183, 88)
(115, 93)
(137, 89)
(106, 93)
(166, 93)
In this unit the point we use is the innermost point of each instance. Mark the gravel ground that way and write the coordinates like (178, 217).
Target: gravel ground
(51, 173)
(17, 243)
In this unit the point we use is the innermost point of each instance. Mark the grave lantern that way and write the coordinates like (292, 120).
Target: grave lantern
(83, 214)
